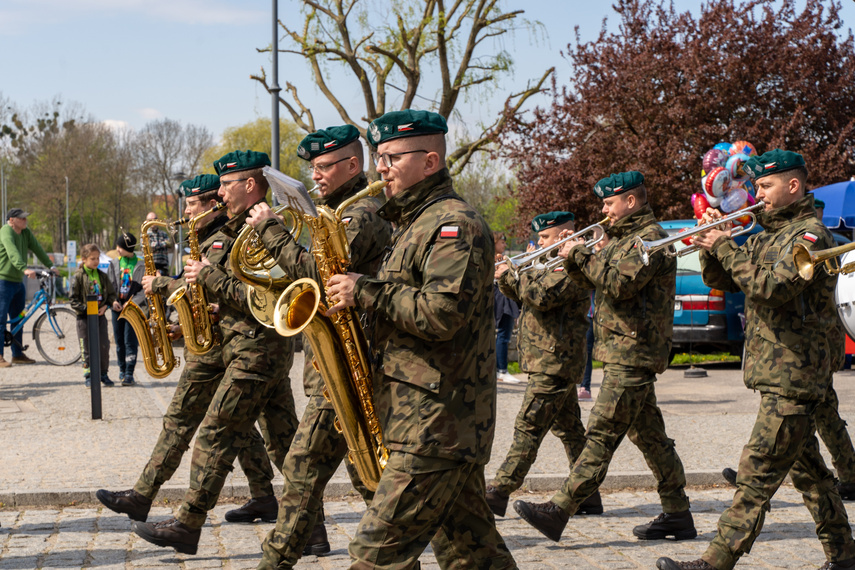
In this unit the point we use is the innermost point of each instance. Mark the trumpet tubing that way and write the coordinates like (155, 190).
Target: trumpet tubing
(806, 260)
(545, 256)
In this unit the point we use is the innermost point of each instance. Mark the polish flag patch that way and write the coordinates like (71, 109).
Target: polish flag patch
(810, 237)
(449, 232)
(559, 268)
(330, 144)
(346, 220)
(217, 245)
(407, 127)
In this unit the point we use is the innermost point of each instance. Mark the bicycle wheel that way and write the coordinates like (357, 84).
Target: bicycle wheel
(56, 338)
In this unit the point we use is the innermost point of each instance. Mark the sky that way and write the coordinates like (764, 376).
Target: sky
(128, 62)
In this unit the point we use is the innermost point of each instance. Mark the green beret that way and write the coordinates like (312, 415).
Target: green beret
(407, 123)
(241, 160)
(201, 184)
(545, 221)
(326, 140)
(618, 183)
(818, 203)
(772, 162)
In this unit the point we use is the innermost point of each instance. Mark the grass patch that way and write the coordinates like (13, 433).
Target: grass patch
(685, 358)
(514, 368)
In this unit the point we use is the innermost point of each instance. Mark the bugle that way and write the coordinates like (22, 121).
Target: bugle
(546, 256)
(646, 248)
(807, 260)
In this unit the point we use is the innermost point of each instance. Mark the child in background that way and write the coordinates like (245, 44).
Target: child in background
(126, 275)
(89, 280)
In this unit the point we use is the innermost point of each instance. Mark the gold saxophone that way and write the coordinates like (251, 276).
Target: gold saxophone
(339, 344)
(193, 314)
(151, 331)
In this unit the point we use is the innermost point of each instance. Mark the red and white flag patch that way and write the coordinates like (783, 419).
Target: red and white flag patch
(346, 220)
(217, 245)
(449, 232)
(330, 144)
(559, 268)
(810, 237)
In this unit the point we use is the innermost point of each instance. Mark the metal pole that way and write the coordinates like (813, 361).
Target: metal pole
(66, 211)
(274, 92)
(94, 338)
(3, 191)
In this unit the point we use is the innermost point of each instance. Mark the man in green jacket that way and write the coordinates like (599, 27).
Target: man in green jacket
(633, 323)
(16, 240)
(790, 356)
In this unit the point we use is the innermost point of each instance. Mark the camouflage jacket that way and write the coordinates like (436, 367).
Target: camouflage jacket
(165, 286)
(367, 233)
(788, 320)
(434, 335)
(634, 303)
(553, 321)
(251, 349)
(80, 287)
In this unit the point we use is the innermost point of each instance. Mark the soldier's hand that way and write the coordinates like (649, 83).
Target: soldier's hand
(501, 269)
(175, 332)
(192, 269)
(259, 213)
(147, 281)
(565, 248)
(340, 292)
(706, 239)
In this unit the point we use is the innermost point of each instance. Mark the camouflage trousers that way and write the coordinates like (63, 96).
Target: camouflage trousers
(782, 441)
(626, 411)
(194, 393)
(315, 454)
(228, 427)
(832, 429)
(414, 506)
(550, 404)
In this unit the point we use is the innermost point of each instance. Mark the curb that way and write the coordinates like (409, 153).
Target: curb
(340, 488)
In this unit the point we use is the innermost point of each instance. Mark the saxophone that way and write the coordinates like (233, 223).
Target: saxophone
(193, 315)
(339, 344)
(152, 332)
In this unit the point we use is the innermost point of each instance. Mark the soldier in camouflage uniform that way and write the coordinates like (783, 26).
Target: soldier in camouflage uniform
(434, 341)
(255, 385)
(199, 380)
(553, 326)
(633, 320)
(789, 361)
(336, 156)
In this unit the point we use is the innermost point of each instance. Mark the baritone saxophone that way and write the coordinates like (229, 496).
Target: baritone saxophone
(339, 344)
(152, 331)
(193, 314)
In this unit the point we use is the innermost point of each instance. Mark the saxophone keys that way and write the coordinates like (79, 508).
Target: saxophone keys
(337, 426)
(327, 396)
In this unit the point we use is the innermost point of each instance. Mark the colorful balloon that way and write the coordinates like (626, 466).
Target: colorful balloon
(742, 147)
(717, 182)
(699, 205)
(713, 158)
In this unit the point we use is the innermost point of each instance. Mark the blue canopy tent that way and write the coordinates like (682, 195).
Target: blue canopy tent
(839, 201)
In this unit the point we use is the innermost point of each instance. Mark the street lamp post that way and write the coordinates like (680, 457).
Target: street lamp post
(66, 213)
(179, 245)
(274, 92)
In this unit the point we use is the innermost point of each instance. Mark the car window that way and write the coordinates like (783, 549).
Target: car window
(690, 263)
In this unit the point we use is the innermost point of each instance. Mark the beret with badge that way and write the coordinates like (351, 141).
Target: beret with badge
(618, 183)
(326, 140)
(407, 123)
(241, 160)
(200, 185)
(773, 162)
(545, 221)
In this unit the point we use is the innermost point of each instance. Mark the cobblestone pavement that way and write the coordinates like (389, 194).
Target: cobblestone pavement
(94, 537)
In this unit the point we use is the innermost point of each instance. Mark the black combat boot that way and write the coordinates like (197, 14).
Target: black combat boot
(679, 525)
(264, 508)
(170, 533)
(842, 565)
(846, 490)
(668, 564)
(548, 518)
(593, 505)
(318, 544)
(127, 502)
(729, 475)
(497, 501)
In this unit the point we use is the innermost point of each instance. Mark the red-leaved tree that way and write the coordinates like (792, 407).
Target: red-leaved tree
(668, 86)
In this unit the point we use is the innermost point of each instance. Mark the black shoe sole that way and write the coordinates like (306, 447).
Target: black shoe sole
(524, 511)
(319, 549)
(687, 534)
(594, 510)
(179, 547)
(249, 519)
(100, 494)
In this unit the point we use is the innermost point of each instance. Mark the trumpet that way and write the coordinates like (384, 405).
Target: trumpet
(646, 248)
(807, 260)
(548, 256)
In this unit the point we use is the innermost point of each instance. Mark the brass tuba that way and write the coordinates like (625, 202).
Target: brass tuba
(339, 344)
(252, 263)
(193, 314)
(151, 331)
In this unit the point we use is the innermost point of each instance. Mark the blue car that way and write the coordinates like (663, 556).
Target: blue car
(706, 319)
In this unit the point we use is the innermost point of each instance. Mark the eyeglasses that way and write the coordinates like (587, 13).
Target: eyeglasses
(322, 168)
(388, 158)
(226, 183)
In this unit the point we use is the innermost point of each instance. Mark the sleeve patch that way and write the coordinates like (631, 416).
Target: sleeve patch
(217, 245)
(810, 237)
(559, 268)
(449, 232)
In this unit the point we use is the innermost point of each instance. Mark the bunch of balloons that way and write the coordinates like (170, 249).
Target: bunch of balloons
(725, 184)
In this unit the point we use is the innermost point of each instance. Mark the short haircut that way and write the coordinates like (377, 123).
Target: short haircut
(640, 193)
(257, 174)
(800, 173)
(353, 148)
(88, 250)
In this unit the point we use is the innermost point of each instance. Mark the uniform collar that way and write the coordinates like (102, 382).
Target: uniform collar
(633, 222)
(778, 218)
(233, 226)
(344, 191)
(400, 208)
(211, 227)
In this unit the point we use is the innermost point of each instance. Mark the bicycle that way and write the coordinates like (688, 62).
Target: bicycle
(55, 329)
